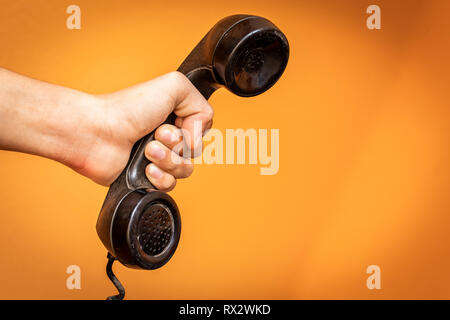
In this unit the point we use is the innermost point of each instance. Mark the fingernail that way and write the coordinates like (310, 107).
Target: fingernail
(156, 152)
(169, 136)
(155, 172)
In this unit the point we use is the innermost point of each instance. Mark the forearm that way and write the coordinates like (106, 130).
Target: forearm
(94, 134)
(44, 119)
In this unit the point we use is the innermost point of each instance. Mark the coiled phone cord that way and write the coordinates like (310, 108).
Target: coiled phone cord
(114, 280)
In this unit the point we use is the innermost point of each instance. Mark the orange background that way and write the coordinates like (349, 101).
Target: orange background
(364, 155)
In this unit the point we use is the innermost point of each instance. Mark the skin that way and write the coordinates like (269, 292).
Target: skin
(94, 134)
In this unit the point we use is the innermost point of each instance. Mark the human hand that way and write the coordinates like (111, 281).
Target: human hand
(128, 115)
(94, 134)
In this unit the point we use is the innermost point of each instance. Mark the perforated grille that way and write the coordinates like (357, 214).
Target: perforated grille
(254, 60)
(155, 229)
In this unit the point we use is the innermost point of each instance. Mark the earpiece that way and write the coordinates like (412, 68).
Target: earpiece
(141, 226)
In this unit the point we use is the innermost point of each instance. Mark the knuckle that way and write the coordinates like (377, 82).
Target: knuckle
(208, 126)
(168, 184)
(209, 112)
(177, 77)
(165, 126)
(184, 171)
(188, 170)
(171, 166)
(179, 84)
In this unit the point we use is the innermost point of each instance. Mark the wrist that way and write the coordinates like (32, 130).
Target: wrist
(74, 124)
(97, 143)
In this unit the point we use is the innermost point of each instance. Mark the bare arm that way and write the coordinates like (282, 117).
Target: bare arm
(94, 134)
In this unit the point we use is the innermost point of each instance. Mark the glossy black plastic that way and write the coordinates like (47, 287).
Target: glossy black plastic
(141, 226)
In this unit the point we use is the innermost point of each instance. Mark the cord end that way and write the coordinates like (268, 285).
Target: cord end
(114, 279)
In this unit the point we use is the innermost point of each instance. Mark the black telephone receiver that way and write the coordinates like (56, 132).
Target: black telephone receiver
(141, 226)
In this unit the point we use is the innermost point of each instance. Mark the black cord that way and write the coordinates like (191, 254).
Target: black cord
(114, 279)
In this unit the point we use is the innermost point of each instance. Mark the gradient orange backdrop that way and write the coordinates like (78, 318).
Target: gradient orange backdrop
(364, 155)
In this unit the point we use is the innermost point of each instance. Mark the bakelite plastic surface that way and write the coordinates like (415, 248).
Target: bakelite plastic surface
(141, 226)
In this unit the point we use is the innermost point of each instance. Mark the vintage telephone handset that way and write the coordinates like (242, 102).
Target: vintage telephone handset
(139, 225)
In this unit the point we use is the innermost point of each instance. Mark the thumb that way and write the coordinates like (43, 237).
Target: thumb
(194, 113)
(147, 105)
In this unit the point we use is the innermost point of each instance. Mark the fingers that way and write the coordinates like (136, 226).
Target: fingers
(165, 154)
(171, 137)
(193, 111)
(160, 179)
(172, 92)
(168, 161)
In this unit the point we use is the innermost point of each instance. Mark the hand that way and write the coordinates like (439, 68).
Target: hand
(133, 113)
(94, 134)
